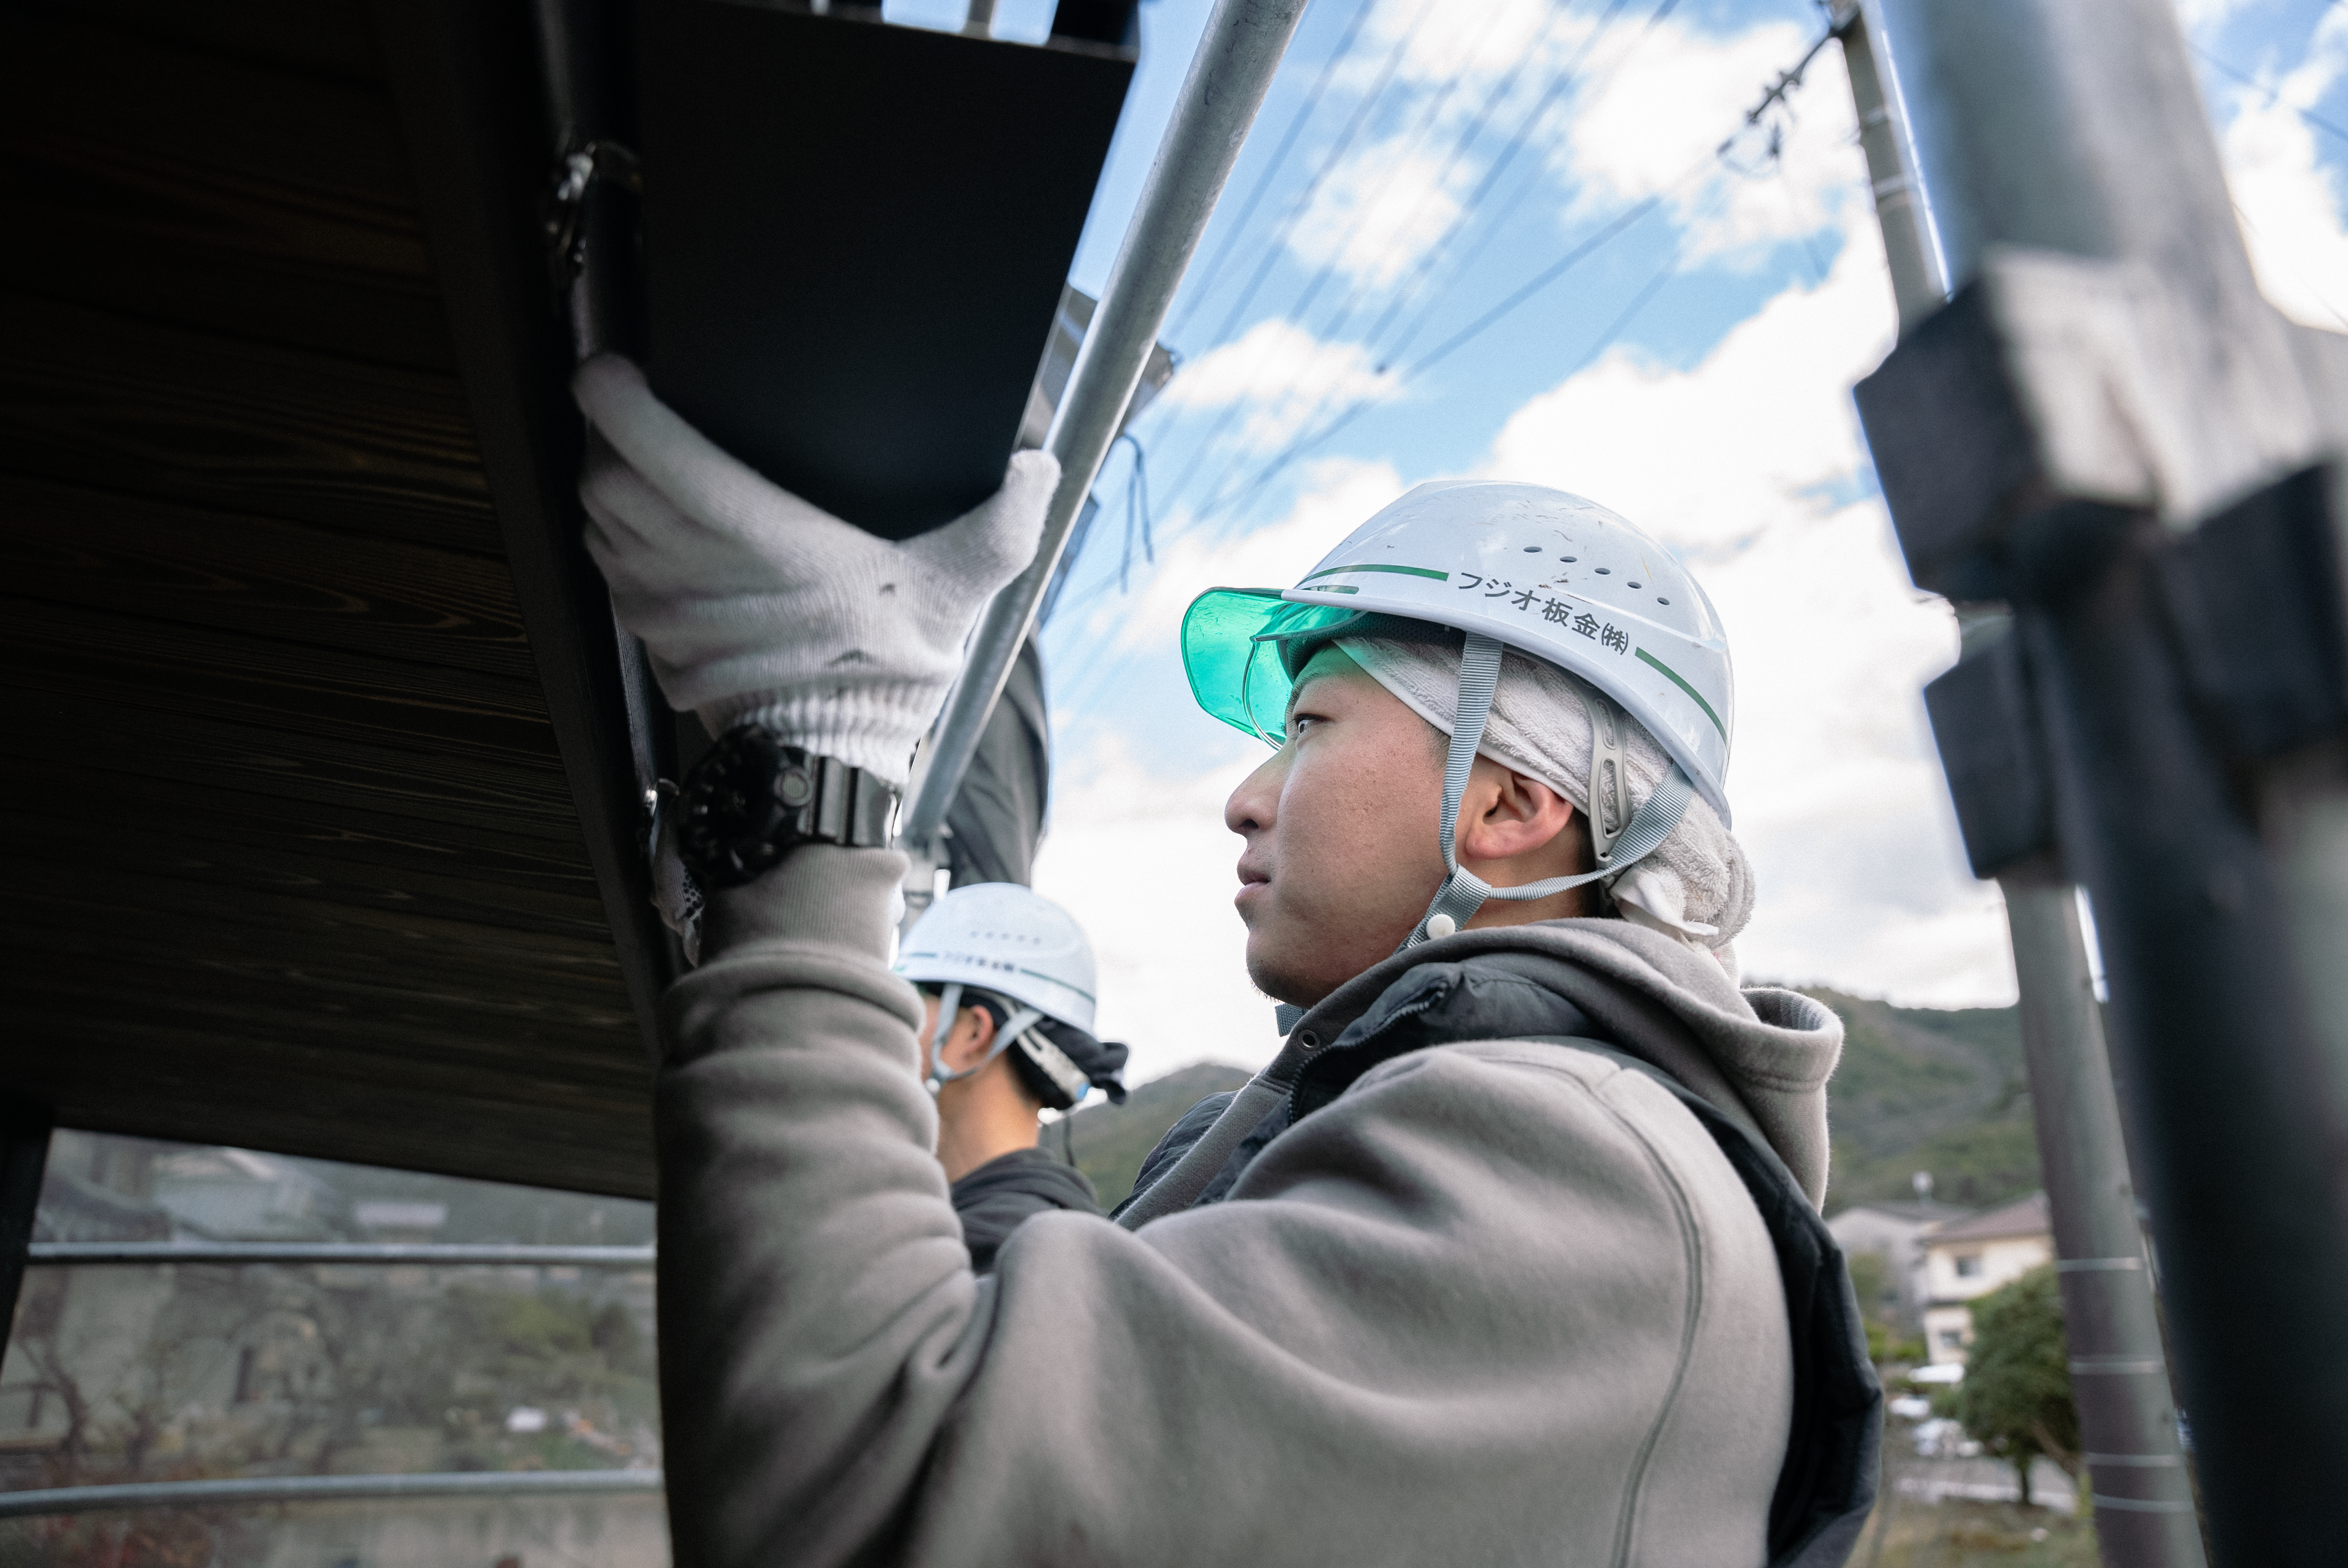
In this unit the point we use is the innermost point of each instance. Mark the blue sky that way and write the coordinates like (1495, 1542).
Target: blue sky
(1691, 371)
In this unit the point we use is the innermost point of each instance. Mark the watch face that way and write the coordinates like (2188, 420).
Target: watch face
(744, 807)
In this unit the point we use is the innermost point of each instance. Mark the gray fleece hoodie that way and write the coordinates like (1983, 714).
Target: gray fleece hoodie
(1504, 1300)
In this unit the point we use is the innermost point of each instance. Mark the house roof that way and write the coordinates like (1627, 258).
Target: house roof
(1924, 1214)
(2026, 1216)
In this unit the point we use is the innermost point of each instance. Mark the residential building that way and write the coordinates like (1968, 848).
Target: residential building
(1968, 1258)
(1894, 1231)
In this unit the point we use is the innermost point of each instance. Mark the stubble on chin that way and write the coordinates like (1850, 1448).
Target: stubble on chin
(1276, 969)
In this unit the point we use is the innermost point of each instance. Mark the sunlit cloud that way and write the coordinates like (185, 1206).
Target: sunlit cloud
(1748, 462)
(1277, 378)
(1333, 495)
(2294, 215)
(1379, 213)
(1749, 437)
(1657, 130)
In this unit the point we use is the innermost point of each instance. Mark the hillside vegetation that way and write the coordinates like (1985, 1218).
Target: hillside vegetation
(1109, 1142)
(1930, 1088)
(1919, 1088)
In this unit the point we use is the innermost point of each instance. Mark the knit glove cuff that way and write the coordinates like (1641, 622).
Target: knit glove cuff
(757, 607)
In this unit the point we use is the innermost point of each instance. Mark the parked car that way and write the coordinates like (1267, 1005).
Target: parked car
(1941, 1438)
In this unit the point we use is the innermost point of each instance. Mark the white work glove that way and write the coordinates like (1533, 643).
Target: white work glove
(758, 608)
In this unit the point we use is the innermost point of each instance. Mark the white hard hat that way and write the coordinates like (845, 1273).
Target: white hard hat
(1002, 938)
(1550, 573)
(1510, 565)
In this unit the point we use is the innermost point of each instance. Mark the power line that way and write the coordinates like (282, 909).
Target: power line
(1231, 411)
(1498, 225)
(1501, 165)
(1775, 94)
(1543, 278)
(1492, 101)
(1557, 270)
(2273, 96)
(1564, 80)
(1303, 199)
(1297, 206)
(1427, 116)
(1427, 119)
(1206, 283)
(1137, 511)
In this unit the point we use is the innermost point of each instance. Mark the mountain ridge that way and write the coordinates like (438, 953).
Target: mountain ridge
(1917, 1089)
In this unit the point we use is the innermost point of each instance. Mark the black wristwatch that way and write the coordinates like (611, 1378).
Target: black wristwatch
(752, 800)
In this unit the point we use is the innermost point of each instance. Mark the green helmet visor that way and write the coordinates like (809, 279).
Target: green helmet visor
(1242, 648)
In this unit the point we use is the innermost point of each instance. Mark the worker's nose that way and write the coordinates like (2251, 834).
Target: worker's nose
(1252, 805)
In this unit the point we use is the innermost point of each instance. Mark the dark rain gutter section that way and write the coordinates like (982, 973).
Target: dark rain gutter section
(466, 80)
(24, 1160)
(270, 1490)
(445, 1255)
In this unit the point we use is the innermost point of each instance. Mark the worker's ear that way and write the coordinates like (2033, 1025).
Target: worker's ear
(1505, 813)
(968, 1042)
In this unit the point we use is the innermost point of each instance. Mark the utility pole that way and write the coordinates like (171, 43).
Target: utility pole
(2108, 428)
(2120, 1382)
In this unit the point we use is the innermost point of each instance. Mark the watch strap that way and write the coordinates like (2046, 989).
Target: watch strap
(753, 799)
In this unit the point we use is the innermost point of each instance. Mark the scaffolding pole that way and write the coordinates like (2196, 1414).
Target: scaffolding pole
(2127, 1419)
(2109, 428)
(1237, 54)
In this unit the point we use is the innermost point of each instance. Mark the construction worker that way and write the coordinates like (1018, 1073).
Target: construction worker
(1007, 983)
(1512, 1254)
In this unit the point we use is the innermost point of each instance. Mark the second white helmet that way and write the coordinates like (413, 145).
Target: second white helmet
(1002, 937)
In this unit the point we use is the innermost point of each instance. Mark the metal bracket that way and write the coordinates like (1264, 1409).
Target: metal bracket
(2254, 602)
(2255, 619)
(576, 174)
(1986, 725)
(2055, 390)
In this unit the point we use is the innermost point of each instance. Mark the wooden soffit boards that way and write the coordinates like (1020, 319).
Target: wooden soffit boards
(300, 853)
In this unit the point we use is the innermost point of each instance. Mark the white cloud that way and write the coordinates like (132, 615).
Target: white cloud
(2294, 215)
(1458, 88)
(2202, 19)
(1146, 866)
(1380, 212)
(1283, 377)
(1334, 495)
(1654, 127)
(1642, 104)
(1839, 794)
(1707, 456)
(1528, 39)
(1837, 789)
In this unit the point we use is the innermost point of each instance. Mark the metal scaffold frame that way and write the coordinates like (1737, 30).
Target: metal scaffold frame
(2127, 1420)
(2109, 429)
(1238, 55)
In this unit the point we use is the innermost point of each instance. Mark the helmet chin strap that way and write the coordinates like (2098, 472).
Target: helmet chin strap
(950, 1007)
(1463, 892)
(1616, 844)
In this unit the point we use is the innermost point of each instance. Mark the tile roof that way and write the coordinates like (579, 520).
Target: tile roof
(2026, 1216)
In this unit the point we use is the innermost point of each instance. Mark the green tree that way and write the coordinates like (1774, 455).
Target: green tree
(2015, 1399)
